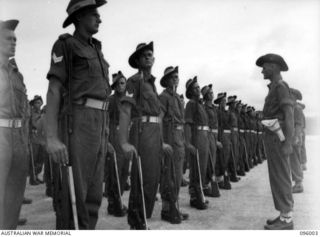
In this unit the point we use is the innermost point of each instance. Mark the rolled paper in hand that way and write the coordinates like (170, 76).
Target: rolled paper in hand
(274, 126)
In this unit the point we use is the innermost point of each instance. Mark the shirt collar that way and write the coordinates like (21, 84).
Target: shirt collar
(90, 42)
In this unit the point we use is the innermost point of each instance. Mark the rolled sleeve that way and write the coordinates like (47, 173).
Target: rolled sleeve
(190, 112)
(58, 67)
(284, 95)
(164, 103)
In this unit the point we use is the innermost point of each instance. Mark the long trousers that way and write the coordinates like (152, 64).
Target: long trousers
(279, 173)
(146, 138)
(86, 152)
(13, 175)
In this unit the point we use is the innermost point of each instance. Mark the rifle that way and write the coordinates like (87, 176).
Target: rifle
(117, 177)
(32, 159)
(67, 133)
(203, 199)
(142, 191)
(172, 134)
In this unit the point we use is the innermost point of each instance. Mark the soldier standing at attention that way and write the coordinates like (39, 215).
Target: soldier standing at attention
(302, 106)
(212, 188)
(233, 163)
(142, 107)
(14, 116)
(197, 143)
(278, 105)
(173, 134)
(243, 159)
(224, 135)
(36, 141)
(77, 103)
(114, 204)
(295, 156)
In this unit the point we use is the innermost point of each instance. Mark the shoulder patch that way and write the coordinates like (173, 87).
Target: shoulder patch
(57, 59)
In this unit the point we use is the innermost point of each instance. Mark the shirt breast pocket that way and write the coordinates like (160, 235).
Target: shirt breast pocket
(87, 63)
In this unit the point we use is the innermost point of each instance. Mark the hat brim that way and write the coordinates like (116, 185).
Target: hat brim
(163, 81)
(218, 100)
(264, 59)
(9, 25)
(133, 57)
(68, 21)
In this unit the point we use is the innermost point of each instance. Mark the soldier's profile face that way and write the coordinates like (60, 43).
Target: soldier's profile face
(196, 89)
(8, 43)
(121, 85)
(90, 20)
(223, 102)
(146, 59)
(173, 80)
(267, 70)
(210, 95)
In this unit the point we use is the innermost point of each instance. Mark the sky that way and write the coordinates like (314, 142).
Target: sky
(216, 40)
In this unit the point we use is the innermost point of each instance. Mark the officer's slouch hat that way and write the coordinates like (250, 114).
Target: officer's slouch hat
(75, 6)
(272, 58)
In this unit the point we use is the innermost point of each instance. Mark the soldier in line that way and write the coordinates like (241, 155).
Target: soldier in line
(243, 158)
(197, 143)
(37, 143)
(233, 120)
(142, 107)
(295, 156)
(247, 134)
(14, 119)
(173, 134)
(47, 173)
(224, 136)
(115, 206)
(260, 147)
(278, 105)
(303, 145)
(212, 188)
(77, 115)
(250, 136)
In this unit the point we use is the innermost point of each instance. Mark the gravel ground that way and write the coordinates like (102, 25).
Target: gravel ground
(245, 207)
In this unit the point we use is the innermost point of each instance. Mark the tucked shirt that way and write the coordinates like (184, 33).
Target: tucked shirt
(195, 114)
(233, 119)
(89, 71)
(224, 119)
(142, 95)
(277, 98)
(212, 116)
(241, 121)
(13, 93)
(172, 107)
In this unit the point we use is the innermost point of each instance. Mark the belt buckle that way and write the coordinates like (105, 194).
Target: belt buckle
(14, 123)
(105, 105)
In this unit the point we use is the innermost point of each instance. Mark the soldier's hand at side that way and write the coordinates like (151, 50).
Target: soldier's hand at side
(286, 148)
(192, 149)
(219, 145)
(57, 151)
(129, 149)
(167, 149)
